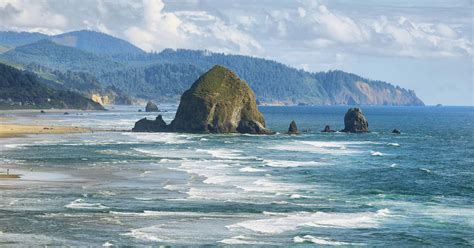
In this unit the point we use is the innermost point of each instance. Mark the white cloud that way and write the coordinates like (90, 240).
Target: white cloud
(257, 29)
(30, 16)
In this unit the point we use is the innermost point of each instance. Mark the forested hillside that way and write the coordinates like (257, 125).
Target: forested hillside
(166, 75)
(19, 89)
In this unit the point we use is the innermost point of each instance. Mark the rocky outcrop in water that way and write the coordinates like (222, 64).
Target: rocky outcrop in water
(396, 131)
(218, 102)
(293, 129)
(355, 121)
(144, 125)
(151, 107)
(327, 129)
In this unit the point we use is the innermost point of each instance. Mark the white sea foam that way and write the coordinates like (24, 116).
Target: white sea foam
(167, 138)
(15, 146)
(393, 144)
(289, 164)
(297, 196)
(375, 153)
(329, 147)
(425, 170)
(241, 240)
(292, 221)
(318, 240)
(250, 169)
(225, 154)
(108, 244)
(169, 153)
(143, 234)
(80, 204)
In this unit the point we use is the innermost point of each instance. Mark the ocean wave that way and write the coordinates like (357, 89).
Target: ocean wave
(289, 164)
(393, 144)
(292, 221)
(166, 138)
(318, 240)
(143, 234)
(225, 154)
(329, 147)
(241, 240)
(80, 204)
(250, 169)
(269, 186)
(375, 153)
(168, 153)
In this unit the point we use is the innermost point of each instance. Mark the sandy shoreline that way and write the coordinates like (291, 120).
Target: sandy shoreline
(17, 130)
(9, 129)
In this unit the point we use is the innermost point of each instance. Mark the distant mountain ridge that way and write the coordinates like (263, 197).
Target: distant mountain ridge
(165, 75)
(95, 42)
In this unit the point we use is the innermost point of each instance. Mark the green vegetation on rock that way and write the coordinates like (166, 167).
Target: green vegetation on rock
(219, 102)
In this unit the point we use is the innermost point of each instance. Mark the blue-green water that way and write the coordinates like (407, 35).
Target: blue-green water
(120, 188)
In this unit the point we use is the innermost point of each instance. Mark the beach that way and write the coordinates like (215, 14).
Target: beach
(16, 130)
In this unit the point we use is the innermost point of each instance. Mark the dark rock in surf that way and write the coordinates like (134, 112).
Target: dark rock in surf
(151, 107)
(355, 121)
(144, 125)
(327, 129)
(396, 131)
(293, 129)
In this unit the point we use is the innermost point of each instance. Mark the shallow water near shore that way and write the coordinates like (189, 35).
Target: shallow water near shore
(122, 188)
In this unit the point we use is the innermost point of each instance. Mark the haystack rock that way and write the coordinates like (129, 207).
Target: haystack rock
(151, 107)
(219, 102)
(293, 129)
(355, 121)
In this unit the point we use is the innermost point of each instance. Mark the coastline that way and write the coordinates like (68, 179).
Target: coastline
(10, 129)
(18, 130)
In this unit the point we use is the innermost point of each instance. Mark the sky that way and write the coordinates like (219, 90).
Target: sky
(424, 45)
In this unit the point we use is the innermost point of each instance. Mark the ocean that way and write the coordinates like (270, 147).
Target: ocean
(331, 189)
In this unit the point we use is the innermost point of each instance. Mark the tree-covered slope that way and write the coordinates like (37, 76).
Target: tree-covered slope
(20, 89)
(14, 39)
(167, 74)
(274, 82)
(95, 42)
(52, 55)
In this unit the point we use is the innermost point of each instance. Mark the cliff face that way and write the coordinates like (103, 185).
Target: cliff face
(350, 89)
(219, 102)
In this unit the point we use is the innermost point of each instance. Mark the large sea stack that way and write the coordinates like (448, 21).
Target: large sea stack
(355, 121)
(218, 102)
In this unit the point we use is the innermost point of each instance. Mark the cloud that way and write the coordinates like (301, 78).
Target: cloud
(30, 16)
(262, 28)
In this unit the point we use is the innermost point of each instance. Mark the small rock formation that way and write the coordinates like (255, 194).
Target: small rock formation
(396, 131)
(151, 107)
(42, 112)
(355, 121)
(144, 125)
(219, 102)
(293, 129)
(66, 113)
(327, 129)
